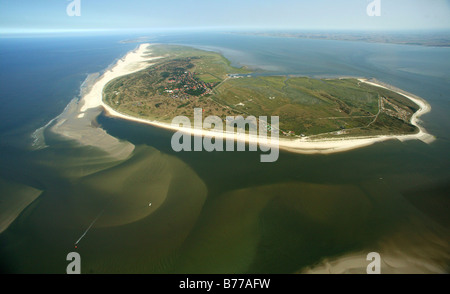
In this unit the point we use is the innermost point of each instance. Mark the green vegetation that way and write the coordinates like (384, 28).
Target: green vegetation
(187, 78)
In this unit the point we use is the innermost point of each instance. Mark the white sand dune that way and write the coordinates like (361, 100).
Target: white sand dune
(139, 59)
(132, 62)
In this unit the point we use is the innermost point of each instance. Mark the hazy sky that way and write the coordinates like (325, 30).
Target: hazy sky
(48, 15)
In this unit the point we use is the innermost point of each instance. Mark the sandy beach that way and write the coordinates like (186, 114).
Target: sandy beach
(75, 123)
(132, 62)
(141, 58)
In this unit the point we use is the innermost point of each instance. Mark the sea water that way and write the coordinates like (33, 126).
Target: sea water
(221, 211)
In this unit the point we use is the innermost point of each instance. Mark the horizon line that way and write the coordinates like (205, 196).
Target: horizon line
(19, 31)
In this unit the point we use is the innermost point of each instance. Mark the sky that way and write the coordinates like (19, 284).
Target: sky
(97, 15)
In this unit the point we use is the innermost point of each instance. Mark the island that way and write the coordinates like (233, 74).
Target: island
(156, 83)
(187, 78)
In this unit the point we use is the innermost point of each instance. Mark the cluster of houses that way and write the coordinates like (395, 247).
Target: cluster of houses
(186, 85)
(399, 113)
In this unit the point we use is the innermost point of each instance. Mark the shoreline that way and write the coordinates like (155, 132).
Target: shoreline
(139, 59)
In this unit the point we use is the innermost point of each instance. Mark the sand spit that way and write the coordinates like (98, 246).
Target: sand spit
(76, 122)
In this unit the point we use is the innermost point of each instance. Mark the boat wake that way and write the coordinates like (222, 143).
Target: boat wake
(90, 226)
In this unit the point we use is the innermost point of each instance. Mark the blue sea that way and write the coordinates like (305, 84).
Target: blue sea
(252, 217)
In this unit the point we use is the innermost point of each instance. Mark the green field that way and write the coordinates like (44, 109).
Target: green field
(187, 78)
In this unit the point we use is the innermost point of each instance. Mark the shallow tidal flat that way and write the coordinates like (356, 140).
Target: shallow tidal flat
(254, 230)
(14, 198)
(151, 201)
(83, 131)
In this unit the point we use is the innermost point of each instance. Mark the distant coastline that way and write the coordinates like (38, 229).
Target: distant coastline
(437, 39)
(140, 59)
